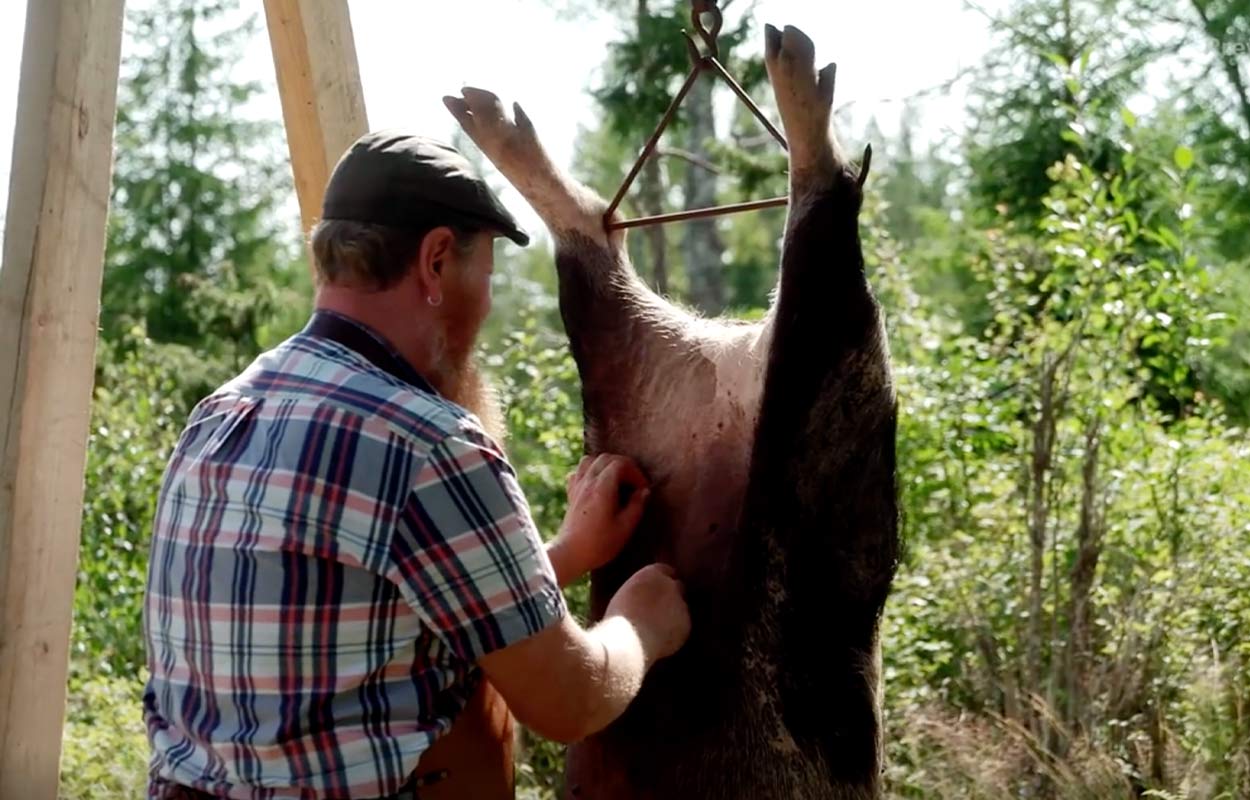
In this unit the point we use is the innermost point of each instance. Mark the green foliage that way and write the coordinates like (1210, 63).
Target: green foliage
(1216, 111)
(104, 749)
(141, 402)
(1069, 428)
(1055, 58)
(539, 386)
(645, 69)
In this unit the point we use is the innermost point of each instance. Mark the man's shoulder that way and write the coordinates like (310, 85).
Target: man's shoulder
(317, 373)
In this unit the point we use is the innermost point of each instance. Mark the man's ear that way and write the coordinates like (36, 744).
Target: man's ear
(436, 251)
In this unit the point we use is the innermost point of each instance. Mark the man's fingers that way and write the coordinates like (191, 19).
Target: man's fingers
(620, 470)
(634, 509)
(576, 479)
(600, 464)
(631, 474)
(583, 466)
(623, 479)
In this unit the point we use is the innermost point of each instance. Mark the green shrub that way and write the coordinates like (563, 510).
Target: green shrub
(104, 749)
(144, 392)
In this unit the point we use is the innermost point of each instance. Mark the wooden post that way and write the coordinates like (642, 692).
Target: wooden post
(314, 55)
(49, 308)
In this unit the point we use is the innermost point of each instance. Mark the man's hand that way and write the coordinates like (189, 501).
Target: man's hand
(598, 523)
(654, 602)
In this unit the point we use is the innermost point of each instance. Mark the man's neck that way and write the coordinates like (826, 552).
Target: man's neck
(413, 332)
(417, 336)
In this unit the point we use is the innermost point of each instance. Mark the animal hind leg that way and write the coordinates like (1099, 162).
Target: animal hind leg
(618, 329)
(638, 356)
(828, 385)
(822, 491)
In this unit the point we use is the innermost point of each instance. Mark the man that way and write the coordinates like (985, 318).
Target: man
(341, 550)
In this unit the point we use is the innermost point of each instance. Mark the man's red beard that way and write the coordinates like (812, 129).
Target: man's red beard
(469, 387)
(462, 381)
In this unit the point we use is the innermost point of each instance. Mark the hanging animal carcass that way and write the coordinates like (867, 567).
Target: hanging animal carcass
(771, 447)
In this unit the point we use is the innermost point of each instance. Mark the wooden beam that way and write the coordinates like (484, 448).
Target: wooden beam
(49, 308)
(314, 55)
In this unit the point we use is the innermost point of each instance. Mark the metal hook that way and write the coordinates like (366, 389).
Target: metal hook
(709, 37)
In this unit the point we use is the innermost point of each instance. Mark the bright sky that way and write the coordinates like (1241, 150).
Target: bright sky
(413, 53)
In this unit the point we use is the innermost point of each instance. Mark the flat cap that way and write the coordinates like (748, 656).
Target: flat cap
(399, 179)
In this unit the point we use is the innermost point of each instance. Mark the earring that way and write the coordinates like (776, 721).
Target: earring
(433, 302)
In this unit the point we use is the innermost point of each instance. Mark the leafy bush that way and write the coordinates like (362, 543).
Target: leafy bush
(104, 749)
(141, 402)
(1076, 513)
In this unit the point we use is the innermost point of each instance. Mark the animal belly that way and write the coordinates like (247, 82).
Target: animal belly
(699, 474)
(697, 453)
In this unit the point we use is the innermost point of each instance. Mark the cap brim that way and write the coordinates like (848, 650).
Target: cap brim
(499, 221)
(517, 235)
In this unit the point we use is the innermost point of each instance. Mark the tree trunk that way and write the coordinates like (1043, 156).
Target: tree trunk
(651, 197)
(1089, 538)
(651, 200)
(1039, 513)
(701, 243)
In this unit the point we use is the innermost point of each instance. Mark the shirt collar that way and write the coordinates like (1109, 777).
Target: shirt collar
(366, 342)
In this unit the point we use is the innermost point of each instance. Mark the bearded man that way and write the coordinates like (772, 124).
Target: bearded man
(342, 551)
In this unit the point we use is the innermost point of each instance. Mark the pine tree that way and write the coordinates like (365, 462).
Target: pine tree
(1056, 56)
(196, 254)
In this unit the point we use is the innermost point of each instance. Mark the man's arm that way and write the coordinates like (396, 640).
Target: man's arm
(567, 683)
(474, 568)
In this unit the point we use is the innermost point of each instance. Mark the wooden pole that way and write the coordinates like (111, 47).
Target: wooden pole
(323, 105)
(49, 308)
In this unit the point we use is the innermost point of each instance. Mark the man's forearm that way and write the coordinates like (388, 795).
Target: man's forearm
(622, 664)
(618, 659)
(567, 683)
(567, 571)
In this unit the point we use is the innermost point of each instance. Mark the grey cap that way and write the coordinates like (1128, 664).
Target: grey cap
(401, 180)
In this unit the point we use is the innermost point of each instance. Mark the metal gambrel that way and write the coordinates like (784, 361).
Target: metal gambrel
(703, 62)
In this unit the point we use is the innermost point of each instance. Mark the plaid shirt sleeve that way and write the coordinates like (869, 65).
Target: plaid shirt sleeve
(467, 554)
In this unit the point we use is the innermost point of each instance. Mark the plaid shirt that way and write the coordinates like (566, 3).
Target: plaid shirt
(334, 547)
